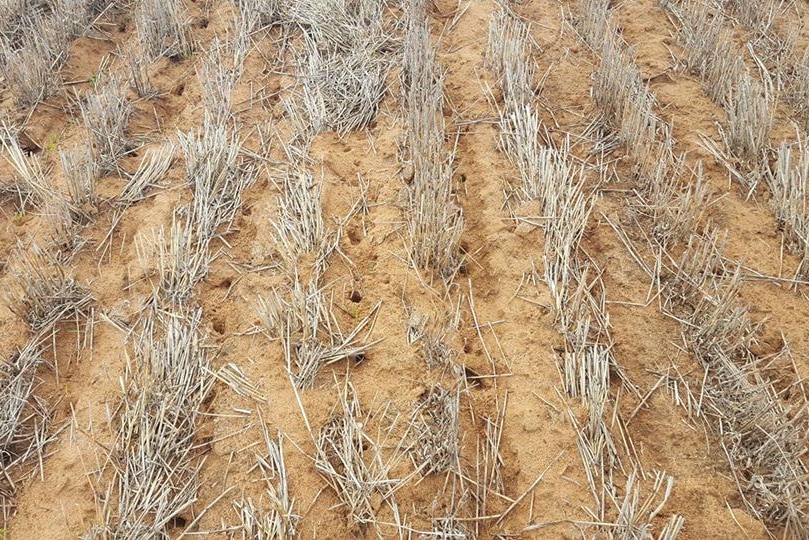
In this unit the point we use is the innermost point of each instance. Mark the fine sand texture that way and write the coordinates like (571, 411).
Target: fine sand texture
(444, 269)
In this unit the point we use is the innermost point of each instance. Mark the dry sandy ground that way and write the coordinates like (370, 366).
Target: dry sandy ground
(516, 332)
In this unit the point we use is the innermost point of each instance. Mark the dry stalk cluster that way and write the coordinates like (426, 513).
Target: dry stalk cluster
(447, 528)
(151, 169)
(81, 172)
(507, 54)
(260, 13)
(34, 41)
(180, 257)
(594, 23)
(788, 185)
(586, 364)
(709, 50)
(567, 208)
(44, 292)
(434, 428)
(164, 29)
(540, 166)
(345, 61)
(29, 184)
(433, 341)
(673, 199)
(221, 70)
(352, 462)
(305, 322)
(24, 421)
(72, 16)
(798, 89)
(636, 512)
(749, 123)
(300, 229)
(625, 101)
(138, 70)
(12, 15)
(280, 520)
(29, 65)
(218, 177)
(106, 113)
(758, 16)
(764, 440)
(435, 221)
(330, 22)
(98, 7)
(712, 54)
(578, 300)
(157, 454)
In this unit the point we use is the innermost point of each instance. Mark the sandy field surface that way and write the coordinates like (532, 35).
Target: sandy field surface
(408, 317)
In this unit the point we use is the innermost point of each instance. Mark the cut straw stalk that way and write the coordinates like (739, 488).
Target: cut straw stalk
(164, 29)
(435, 222)
(106, 113)
(764, 442)
(352, 462)
(157, 455)
(24, 421)
(310, 333)
(44, 292)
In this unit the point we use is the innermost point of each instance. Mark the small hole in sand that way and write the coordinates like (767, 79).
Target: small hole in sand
(355, 297)
(177, 522)
(219, 327)
(467, 348)
(178, 90)
(472, 378)
(27, 144)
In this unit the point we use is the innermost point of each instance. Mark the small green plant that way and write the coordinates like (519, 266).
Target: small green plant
(52, 143)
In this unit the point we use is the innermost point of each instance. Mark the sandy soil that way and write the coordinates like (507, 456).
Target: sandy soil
(517, 333)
